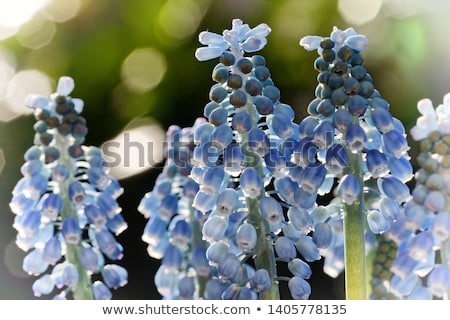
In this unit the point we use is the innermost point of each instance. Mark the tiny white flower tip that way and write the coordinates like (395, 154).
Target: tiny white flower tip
(208, 53)
(79, 104)
(425, 106)
(65, 86)
(36, 101)
(236, 23)
(418, 133)
(350, 32)
(210, 38)
(338, 36)
(447, 99)
(357, 42)
(310, 42)
(261, 31)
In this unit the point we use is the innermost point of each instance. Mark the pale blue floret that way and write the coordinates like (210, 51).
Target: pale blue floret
(300, 219)
(260, 282)
(299, 288)
(114, 276)
(300, 268)
(214, 229)
(52, 250)
(240, 37)
(251, 182)
(377, 223)
(285, 249)
(438, 281)
(246, 237)
(228, 267)
(101, 291)
(217, 251)
(349, 189)
(393, 188)
(108, 244)
(90, 259)
(307, 248)
(43, 286)
(71, 230)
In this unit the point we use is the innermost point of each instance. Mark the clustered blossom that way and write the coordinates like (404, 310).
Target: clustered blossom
(348, 117)
(421, 268)
(251, 185)
(240, 38)
(173, 229)
(65, 205)
(348, 122)
(238, 199)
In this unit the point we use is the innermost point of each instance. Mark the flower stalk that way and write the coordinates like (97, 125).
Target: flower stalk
(354, 240)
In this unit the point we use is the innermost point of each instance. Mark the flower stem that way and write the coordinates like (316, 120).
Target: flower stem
(445, 258)
(83, 289)
(354, 240)
(264, 255)
(197, 242)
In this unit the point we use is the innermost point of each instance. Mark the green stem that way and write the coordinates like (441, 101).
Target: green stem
(445, 257)
(264, 255)
(354, 240)
(83, 289)
(197, 242)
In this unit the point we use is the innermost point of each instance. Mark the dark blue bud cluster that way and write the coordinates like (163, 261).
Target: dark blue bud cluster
(66, 210)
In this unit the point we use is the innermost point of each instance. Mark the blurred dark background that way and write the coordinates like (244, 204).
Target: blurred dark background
(133, 65)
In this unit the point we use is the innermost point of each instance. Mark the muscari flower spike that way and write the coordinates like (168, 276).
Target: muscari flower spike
(256, 178)
(173, 229)
(66, 210)
(421, 267)
(349, 118)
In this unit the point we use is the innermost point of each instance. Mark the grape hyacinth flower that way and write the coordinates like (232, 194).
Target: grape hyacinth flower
(254, 193)
(351, 132)
(173, 229)
(66, 210)
(421, 268)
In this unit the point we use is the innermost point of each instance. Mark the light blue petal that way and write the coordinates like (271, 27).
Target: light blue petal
(210, 38)
(36, 101)
(208, 53)
(310, 42)
(357, 42)
(65, 86)
(253, 44)
(260, 31)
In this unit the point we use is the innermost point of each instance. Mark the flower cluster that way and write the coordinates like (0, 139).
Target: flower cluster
(249, 184)
(242, 201)
(65, 205)
(173, 231)
(421, 268)
(349, 117)
(351, 133)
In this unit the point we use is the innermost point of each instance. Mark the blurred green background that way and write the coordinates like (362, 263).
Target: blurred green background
(133, 65)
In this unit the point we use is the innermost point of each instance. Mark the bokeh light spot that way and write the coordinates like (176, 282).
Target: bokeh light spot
(179, 19)
(15, 13)
(359, 11)
(21, 85)
(143, 69)
(139, 147)
(61, 11)
(37, 33)
(13, 258)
